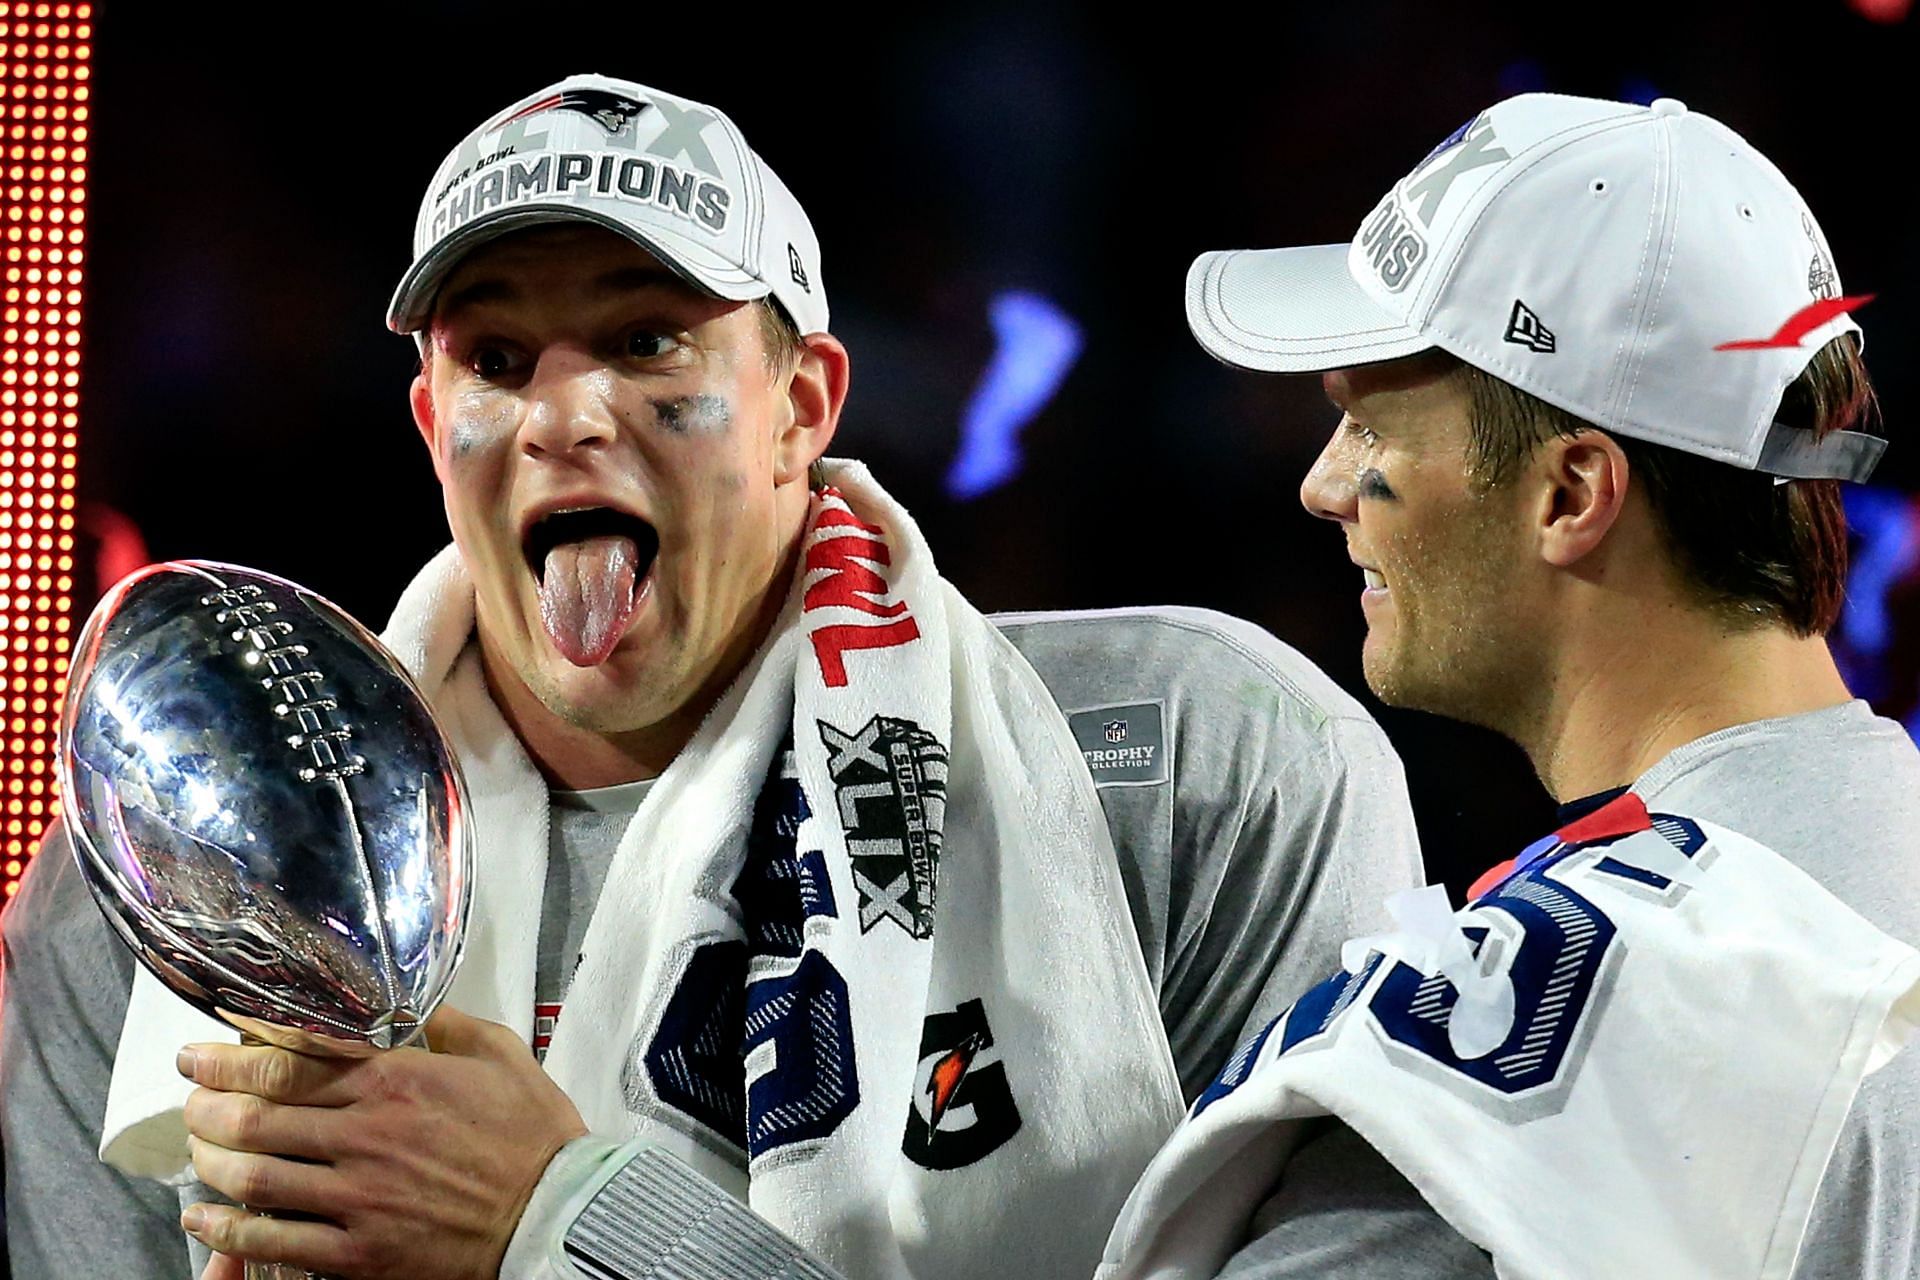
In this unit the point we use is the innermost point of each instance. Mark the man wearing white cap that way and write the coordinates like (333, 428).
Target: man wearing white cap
(900, 931)
(1598, 386)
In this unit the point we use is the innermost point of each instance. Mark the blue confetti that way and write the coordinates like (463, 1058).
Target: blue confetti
(1887, 524)
(1036, 345)
(1889, 530)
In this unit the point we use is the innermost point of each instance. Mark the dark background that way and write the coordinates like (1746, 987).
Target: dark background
(253, 194)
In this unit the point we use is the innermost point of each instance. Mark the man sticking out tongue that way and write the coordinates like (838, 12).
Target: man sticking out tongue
(588, 596)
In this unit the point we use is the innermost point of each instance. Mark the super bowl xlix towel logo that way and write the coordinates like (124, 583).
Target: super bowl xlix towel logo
(962, 1107)
(890, 787)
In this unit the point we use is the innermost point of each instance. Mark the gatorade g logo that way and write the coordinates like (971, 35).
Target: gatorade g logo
(962, 1108)
(1392, 245)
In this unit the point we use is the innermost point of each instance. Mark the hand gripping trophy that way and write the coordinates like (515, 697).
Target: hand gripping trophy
(264, 807)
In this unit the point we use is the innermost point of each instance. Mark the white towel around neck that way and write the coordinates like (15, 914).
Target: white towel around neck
(1030, 921)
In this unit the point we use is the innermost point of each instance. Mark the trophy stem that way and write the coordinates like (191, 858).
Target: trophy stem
(273, 1270)
(278, 1271)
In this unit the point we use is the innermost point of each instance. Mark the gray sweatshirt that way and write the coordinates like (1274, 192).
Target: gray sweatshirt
(1258, 814)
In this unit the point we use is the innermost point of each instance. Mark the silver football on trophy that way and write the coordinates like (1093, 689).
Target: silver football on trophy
(263, 805)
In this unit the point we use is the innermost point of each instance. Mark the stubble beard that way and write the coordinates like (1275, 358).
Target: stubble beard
(1464, 672)
(635, 706)
(1466, 656)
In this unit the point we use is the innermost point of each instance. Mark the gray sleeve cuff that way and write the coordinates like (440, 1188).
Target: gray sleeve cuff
(604, 1211)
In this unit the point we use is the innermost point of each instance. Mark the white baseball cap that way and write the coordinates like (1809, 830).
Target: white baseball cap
(1643, 268)
(672, 175)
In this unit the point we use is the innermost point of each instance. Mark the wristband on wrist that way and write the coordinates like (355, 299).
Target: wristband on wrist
(643, 1215)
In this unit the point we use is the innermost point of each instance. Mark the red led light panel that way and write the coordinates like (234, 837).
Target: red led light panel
(46, 52)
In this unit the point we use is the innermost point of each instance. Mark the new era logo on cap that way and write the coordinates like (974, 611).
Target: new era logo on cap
(1525, 329)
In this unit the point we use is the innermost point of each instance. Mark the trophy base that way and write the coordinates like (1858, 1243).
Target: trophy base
(279, 1271)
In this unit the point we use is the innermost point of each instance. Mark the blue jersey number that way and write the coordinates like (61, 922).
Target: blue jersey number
(696, 1058)
(1557, 973)
(1553, 974)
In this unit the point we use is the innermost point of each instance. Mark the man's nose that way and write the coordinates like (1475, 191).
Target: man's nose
(569, 404)
(1331, 489)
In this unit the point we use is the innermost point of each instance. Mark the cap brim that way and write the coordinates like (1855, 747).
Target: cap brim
(697, 265)
(1291, 311)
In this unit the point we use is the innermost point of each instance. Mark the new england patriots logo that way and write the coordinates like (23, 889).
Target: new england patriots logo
(611, 111)
(962, 1108)
(1449, 142)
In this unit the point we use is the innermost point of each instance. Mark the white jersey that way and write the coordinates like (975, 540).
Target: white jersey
(1631, 1056)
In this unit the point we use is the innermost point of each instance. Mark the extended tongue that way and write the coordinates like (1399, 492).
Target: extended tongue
(587, 597)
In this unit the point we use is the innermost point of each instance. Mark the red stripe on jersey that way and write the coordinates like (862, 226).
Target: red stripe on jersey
(1489, 878)
(544, 1016)
(1621, 816)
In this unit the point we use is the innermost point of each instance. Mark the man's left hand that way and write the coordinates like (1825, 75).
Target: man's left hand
(411, 1163)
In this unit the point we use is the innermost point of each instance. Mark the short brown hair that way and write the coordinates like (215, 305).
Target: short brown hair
(783, 342)
(1752, 551)
(780, 334)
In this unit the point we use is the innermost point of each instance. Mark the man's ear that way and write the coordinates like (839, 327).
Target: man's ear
(816, 392)
(420, 399)
(1583, 482)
